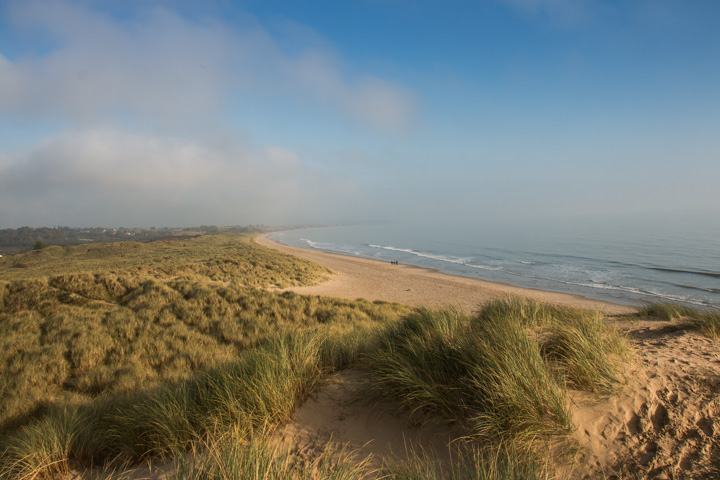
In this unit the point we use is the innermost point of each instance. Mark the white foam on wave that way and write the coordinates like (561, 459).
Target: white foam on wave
(310, 242)
(599, 282)
(493, 269)
(441, 258)
(329, 247)
(599, 286)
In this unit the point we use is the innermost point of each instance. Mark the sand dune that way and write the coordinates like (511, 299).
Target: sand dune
(665, 421)
(663, 424)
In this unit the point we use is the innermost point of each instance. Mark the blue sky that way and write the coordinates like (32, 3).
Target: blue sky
(280, 112)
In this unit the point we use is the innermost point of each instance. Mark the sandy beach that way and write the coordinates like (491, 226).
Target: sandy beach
(375, 280)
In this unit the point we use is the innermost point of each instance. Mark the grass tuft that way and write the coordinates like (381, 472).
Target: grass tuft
(41, 450)
(666, 311)
(526, 312)
(239, 455)
(262, 388)
(587, 352)
(501, 373)
(498, 462)
(705, 321)
(489, 375)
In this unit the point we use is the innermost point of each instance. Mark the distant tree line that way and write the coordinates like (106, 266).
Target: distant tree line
(19, 240)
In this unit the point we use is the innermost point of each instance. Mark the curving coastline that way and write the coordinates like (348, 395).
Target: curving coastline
(415, 286)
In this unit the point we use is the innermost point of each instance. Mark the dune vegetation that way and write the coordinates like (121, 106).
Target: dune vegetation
(503, 372)
(114, 354)
(705, 321)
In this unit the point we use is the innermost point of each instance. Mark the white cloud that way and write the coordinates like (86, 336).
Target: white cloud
(165, 68)
(112, 177)
(144, 104)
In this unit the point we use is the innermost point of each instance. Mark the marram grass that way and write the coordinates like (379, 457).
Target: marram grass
(666, 311)
(41, 450)
(261, 388)
(487, 374)
(57, 347)
(706, 321)
(502, 372)
(139, 347)
(238, 454)
(170, 350)
(494, 462)
(89, 269)
(588, 353)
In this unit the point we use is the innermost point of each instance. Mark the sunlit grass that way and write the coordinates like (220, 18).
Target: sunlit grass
(261, 388)
(493, 462)
(588, 353)
(141, 351)
(113, 353)
(502, 372)
(706, 321)
(91, 269)
(666, 311)
(72, 337)
(489, 375)
(238, 454)
(42, 450)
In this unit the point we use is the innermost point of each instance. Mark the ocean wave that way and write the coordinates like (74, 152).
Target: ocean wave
(441, 258)
(593, 285)
(330, 247)
(600, 286)
(693, 272)
(692, 287)
(584, 278)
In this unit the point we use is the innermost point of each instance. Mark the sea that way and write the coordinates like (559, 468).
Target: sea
(626, 261)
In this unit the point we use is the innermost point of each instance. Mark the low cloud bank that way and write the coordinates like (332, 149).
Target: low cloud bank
(115, 177)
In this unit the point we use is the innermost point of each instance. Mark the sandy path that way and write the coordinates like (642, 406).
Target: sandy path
(375, 280)
(341, 414)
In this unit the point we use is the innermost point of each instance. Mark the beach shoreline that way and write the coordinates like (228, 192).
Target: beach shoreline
(356, 277)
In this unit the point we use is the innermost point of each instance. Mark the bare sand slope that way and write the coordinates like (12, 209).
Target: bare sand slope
(664, 423)
(340, 413)
(374, 280)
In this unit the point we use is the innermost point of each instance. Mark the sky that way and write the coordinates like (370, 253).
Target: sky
(179, 113)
